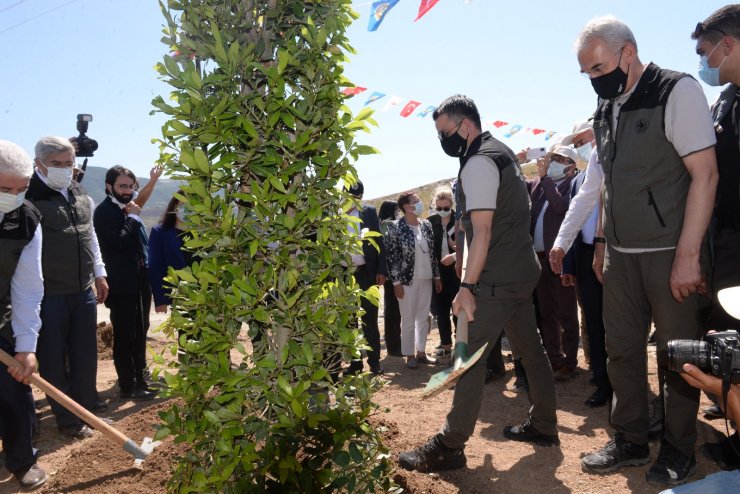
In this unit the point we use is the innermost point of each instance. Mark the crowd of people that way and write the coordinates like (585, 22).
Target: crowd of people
(648, 235)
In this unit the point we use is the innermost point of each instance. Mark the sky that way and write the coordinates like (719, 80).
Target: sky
(515, 59)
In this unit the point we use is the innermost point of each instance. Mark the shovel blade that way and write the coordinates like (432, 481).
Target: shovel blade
(447, 378)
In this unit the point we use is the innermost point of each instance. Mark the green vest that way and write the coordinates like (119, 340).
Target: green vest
(511, 256)
(16, 231)
(67, 258)
(646, 181)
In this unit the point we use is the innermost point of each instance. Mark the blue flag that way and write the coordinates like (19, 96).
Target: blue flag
(378, 11)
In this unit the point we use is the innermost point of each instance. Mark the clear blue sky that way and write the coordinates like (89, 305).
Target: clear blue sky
(515, 59)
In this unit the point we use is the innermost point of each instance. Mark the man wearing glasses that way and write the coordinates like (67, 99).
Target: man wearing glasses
(123, 243)
(655, 142)
(496, 289)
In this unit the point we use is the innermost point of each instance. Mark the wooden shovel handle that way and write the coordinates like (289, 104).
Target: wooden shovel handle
(461, 333)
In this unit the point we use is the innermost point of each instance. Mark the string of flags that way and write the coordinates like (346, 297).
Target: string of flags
(412, 106)
(380, 9)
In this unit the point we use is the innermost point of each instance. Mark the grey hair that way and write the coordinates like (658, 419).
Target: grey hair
(613, 32)
(52, 144)
(14, 161)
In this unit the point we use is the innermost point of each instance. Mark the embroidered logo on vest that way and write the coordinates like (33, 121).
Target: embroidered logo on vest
(642, 126)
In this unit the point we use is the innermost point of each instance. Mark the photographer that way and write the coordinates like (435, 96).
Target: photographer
(720, 482)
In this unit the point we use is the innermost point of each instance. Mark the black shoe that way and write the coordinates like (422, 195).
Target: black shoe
(80, 431)
(138, 393)
(599, 398)
(432, 456)
(31, 477)
(376, 370)
(615, 454)
(100, 405)
(526, 432)
(713, 412)
(494, 375)
(722, 453)
(671, 466)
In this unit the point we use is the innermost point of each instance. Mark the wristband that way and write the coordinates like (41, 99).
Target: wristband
(599, 240)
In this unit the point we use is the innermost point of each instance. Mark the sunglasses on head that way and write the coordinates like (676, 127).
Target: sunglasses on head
(443, 209)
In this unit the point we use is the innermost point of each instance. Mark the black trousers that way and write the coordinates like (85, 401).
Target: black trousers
(129, 314)
(443, 301)
(391, 319)
(369, 323)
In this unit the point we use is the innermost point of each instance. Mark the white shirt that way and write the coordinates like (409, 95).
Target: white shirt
(26, 293)
(422, 261)
(98, 265)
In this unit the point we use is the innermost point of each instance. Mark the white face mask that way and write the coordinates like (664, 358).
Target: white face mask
(444, 214)
(556, 171)
(58, 178)
(585, 151)
(418, 208)
(10, 202)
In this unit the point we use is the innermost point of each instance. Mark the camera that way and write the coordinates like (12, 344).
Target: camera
(86, 145)
(719, 355)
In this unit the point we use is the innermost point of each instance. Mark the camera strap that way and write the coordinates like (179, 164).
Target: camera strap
(726, 383)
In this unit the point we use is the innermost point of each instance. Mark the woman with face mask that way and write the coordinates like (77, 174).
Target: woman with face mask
(414, 272)
(387, 214)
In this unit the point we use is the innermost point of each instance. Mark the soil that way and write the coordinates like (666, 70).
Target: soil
(96, 465)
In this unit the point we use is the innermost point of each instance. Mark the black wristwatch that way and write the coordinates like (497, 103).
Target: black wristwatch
(473, 287)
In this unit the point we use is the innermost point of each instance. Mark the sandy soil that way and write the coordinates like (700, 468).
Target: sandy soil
(494, 464)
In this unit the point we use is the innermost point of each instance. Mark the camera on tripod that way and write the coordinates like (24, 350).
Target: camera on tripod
(86, 145)
(719, 355)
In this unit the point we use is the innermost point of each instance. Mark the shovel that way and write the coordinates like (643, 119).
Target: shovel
(138, 452)
(462, 363)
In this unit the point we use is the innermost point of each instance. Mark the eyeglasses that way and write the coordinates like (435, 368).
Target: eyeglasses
(598, 69)
(563, 160)
(443, 209)
(442, 135)
(701, 29)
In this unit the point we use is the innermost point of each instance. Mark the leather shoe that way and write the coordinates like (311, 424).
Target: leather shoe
(80, 431)
(100, 405)
(142, 394)
(599, 398)
(713, 412)
(31, 478)
(526, 432)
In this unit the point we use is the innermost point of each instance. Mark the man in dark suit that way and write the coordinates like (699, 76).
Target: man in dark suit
(370, 269)
(123, 244)
(550, 195)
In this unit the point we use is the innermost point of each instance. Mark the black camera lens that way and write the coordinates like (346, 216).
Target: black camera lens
(688, 352)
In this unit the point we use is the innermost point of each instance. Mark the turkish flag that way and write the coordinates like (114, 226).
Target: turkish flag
(351, 91)
(424, 7)
(498, 124)
(537, 131)
(409, 108)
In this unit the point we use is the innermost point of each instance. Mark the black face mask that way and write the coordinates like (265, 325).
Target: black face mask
(454, 145)
(611, 85)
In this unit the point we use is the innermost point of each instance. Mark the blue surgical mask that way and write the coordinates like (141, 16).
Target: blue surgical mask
(585, 151)
(419, 208)
(556, 171)
(710, 75)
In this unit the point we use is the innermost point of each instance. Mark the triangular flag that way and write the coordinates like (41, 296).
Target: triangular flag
(550, 134)
(426, 111)
(498, 124)
(351, 91)
(374, 97)
(424, 7)
(409, 108)
(537, 131)
(378, 12)
(392, 102)
(513, 130)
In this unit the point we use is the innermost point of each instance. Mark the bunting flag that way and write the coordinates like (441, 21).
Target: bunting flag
(513, 130)
(378, 12)
(409, 108)
(424, 7)
(393, 102)
(538, 131)
(426, 111)
(374, 97)
(351, 91)
(549, 135)
(498, 124)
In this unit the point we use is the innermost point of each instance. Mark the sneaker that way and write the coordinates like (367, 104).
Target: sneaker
(425, 359)
(411, 363)
(80, 431)
(31, 478)
(526, 432)
(443, 353)
(615, 454)
(713, 412)
(432, 456)
(722, 453)
(671, 466)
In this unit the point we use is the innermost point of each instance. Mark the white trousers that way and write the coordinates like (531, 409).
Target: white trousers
(414, 308)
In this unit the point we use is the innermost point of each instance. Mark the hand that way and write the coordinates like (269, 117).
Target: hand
(132, 208)
(28, 366)
(522, 155)
(398, 291)
(598, 264)
(543, 164)
(448, 260)
(101, 289)
(556, 260)
(155, 173)
(568, 280)
(686, 277)
(713, 385)
(380, 279)
(466, 301)
(160, 309)
(437, 285)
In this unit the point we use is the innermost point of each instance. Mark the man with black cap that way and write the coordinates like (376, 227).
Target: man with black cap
(369, 269)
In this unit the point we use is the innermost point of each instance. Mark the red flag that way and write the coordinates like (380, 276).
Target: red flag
(409, 108)
(498, 124)
(351, 91)
(424, 7)
(537, 131)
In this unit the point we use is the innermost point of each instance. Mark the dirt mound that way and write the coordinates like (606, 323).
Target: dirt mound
(105, 340)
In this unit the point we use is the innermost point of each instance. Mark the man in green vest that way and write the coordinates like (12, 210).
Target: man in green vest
(655, 142)
(21, 291)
